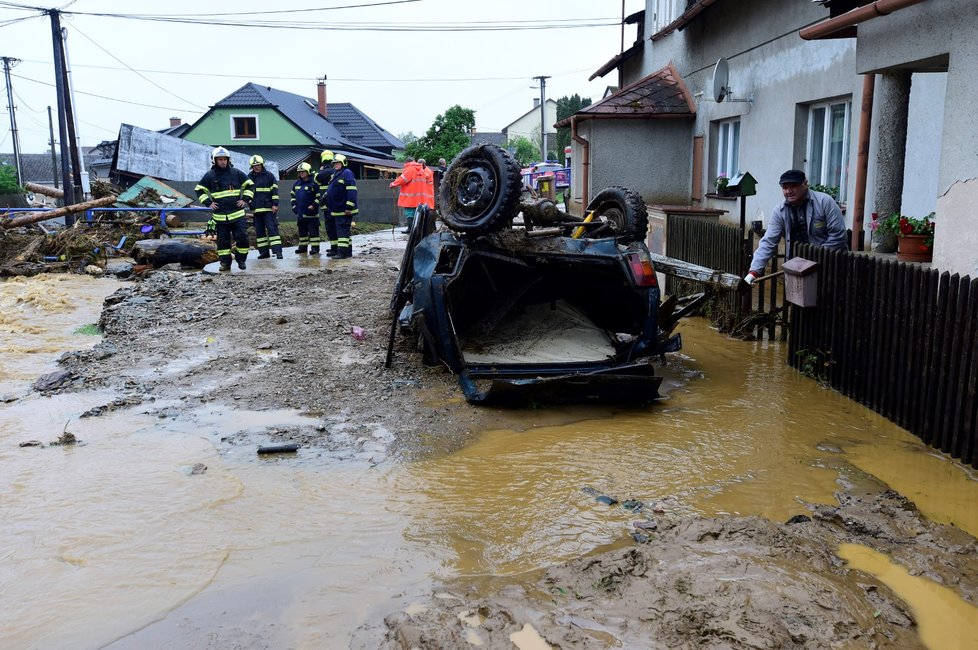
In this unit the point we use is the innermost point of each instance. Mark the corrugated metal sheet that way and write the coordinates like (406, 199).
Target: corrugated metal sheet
(147, 153)
(170, 198)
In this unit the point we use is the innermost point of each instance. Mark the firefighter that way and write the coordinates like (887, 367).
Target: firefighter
(341, 201)
(265, 207)
(305, 205)
(227, 192)
(323, 177)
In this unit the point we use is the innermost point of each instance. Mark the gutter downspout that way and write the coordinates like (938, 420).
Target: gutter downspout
(854, 17)
(585, 161)
(862, 159)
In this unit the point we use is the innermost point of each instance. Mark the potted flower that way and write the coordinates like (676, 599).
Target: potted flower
(721, 182)
(914, 236)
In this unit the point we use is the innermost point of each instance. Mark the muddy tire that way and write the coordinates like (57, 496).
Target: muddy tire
(481, 191)
(622, 212)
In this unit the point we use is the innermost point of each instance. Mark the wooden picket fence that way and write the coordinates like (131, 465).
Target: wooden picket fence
(898, 338)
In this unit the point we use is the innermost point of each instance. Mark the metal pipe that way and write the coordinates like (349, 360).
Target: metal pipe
(585, 160)
(854, 17)
(862, 159)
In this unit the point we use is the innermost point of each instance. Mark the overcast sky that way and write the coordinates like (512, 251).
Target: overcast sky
(143, 72)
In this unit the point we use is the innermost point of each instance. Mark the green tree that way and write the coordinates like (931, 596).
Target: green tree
(446, 137)
(523, 149)
(567, 106)
(8, 180)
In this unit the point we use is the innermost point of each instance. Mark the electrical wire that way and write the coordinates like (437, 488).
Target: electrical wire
(172, 94)
(111, 99)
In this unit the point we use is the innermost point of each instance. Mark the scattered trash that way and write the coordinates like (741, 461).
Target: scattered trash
(279, 449)
(640, 538)
(194, 470)
(632, 504)
(67, 438)
(32, 443)
(94, 270)
(645, 524)
(608, 501)
(358, 332)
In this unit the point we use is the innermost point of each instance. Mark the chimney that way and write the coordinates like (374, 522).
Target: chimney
(321, 89)
(536, 102)
(175, 121)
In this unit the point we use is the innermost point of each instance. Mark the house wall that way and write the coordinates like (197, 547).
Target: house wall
(216, 129)
(528, 125)
(936, 35)
(783, 74)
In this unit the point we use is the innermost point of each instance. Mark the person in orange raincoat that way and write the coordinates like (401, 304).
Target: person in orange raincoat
(413, 190)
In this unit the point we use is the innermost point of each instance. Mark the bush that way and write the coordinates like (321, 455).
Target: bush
(8, 180)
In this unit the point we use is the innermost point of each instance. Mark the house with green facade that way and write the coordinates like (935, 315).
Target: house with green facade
(290, 129)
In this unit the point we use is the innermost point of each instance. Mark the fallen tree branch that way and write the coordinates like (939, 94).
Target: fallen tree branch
(53, 192)
(34, 217)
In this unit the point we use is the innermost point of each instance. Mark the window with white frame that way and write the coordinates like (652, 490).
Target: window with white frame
(244, 127)
(728, 148)
(666, 11)
(828, 144)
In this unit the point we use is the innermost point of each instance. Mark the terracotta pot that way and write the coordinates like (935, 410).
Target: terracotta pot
(911, 248)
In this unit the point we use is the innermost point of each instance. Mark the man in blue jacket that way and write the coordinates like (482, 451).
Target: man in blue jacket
(305, 205)
(264, 205)
(341, 201)
(227, 192)
(806, 216)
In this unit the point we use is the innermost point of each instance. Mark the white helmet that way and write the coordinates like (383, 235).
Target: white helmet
(220, 152)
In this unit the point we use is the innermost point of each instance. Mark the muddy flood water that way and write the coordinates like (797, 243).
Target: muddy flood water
(116, 542)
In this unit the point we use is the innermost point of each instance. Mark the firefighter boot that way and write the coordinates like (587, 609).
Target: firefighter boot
(314, 250)
(333, 250)
(301, 250)
(225, 266)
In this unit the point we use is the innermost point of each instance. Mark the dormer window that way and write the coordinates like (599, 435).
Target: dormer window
(244, 127)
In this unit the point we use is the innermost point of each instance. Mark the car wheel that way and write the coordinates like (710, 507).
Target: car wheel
(622, 214)
(481, 191)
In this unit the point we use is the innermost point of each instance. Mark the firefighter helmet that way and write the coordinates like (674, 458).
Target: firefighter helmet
(326, 156)
(220, 152)
(340, 158)
(305, 167)
(256, 160)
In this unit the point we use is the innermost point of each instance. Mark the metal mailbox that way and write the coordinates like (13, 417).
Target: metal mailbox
(801, 281)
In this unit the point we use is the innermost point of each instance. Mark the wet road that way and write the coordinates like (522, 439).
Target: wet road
(114, 543)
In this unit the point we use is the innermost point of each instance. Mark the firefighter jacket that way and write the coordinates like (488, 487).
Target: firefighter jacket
(305, 198)
(412, 183)
(341, 195)
(323, 177)
(265, 188)
(225, 187)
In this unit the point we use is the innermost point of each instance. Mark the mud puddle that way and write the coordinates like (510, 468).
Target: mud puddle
(116, 542)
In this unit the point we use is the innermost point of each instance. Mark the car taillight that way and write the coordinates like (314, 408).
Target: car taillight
(643, 273)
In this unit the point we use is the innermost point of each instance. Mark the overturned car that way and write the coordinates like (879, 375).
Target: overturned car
(560, 309)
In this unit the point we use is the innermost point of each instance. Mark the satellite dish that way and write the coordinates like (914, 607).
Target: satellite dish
(720, 80)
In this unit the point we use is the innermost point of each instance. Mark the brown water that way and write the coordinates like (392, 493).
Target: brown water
(113, 543)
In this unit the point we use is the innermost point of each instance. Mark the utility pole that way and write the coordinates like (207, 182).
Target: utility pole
(54, 157)
(8, 63)
(59, 77)
(543, 116)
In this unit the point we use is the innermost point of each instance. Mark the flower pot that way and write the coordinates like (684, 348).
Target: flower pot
(911, 248)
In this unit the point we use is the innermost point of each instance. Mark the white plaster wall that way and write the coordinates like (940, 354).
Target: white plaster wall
(924, 126)
(937, 34)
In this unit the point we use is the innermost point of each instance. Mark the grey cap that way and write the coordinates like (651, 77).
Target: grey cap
(792, 176)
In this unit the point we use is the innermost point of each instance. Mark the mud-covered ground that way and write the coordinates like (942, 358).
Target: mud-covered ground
(286, 341)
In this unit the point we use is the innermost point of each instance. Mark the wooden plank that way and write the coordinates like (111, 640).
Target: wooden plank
(928, 431)
(911, 378)
(906, 342)
(957, 381)
(927, 324)
(969, 411)
(942, 439)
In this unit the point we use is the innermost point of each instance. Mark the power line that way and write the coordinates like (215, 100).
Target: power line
(136, 72)
(111, 99)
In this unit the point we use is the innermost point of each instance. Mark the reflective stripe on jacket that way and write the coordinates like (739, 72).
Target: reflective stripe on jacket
(265, 188)
(305, 199)
(413, 186)
(341, 195)
(225, 187)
